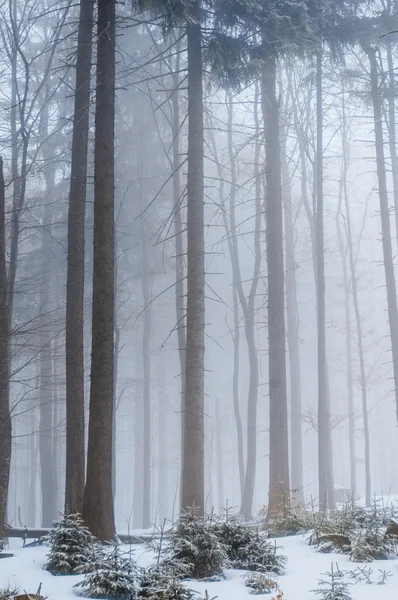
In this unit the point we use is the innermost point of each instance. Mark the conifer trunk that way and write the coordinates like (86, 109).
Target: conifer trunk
(293, 326)
(74, 343)
(98, 498)
(325, 460)
(385, 216)
(278, 426)
(193, 457)
(5, 417)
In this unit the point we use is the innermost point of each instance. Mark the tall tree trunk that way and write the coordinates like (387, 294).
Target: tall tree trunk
(278, 426)
(163, 410)
(358, 322)
(192, 493)
(325, 469)
(348, 341)
(146, 333)
(178, 234)
(32, 470)
(231, 235)
(248, 304)
(5, 417)
(138, 445)
(220, 464)
(293, 326)
(47, 466)
(74, 475)
(98, 499)
(385, 216)
(392, 131)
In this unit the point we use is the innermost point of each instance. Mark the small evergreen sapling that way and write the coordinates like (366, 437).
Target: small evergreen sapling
(161, 583)
(333, 587)
(249, 549)
(195, 545)
(262, 583)
(113, 575)
(70, 546)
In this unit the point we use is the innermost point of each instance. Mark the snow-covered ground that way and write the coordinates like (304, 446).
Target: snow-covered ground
(304, 568)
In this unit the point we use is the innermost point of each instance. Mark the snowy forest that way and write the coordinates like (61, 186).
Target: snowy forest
(198, 259)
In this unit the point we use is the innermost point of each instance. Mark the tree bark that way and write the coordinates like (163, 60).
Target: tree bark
(47, 466)
(385, 216)
(348, 334)
(192, 494)
(5, 416)
(278, 435)
(163, 479)
(146, 333)
(74, 343)
(98, 500)
(325, 469)
(392, 131)
(293, 325)
(178, 234)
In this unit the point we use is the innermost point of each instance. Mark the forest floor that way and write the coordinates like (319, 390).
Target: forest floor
(304, 568)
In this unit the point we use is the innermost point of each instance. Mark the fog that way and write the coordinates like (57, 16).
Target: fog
(38, 44)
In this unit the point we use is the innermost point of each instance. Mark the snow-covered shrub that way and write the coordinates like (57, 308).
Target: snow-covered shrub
(333, 587)
(247, 548)
(194, 544)
(113, 575)
(70, 546)
(261, 583)
(160, 583)
(370, 541)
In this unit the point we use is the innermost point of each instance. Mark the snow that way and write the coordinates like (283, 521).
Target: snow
(305, 566)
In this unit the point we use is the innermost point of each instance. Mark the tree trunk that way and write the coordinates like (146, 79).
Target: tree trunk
(47, 466)
(278, 426)
(392, 132)
(293, 325)
(146, 333)
(138, 445)
(385, 216)
(358, 322)
(220, 463)
(98, 500)
(178, 234)
(74, 476)
(192, 494)
(248, 305)
(231, 235)
(5, 417)
(325, 470)
(348, 336)
(163, 480)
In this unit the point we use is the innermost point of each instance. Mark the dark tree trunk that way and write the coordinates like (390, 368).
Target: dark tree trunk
(98, 499)
(193, 458)
(278, 426)
(325, 469)
(74, 476)
(5, 417)
(385, 216)
(293, 326)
